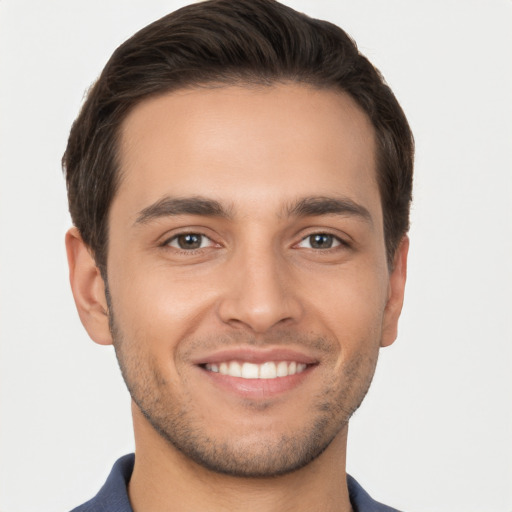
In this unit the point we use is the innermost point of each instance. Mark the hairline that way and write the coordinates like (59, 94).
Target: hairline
(246, 80)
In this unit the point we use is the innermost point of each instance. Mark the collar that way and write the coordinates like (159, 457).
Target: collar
(113, 496)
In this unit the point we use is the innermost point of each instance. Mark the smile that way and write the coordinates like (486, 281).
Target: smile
(266, 370)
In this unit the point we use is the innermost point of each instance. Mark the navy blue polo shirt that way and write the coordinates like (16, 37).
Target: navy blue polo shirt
(113, 496)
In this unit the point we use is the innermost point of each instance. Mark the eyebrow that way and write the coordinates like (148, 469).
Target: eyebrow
(304, 207)
(319, 205)
(169, 206)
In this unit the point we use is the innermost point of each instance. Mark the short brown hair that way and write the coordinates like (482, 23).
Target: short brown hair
(227, 42)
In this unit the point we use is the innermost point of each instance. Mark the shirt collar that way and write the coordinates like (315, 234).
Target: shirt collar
(113, 496)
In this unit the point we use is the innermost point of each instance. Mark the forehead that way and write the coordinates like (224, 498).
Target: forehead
(247, 146)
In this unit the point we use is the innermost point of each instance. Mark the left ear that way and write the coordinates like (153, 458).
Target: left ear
(396, 291)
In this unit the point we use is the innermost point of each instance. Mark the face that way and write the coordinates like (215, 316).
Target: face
(249, 290)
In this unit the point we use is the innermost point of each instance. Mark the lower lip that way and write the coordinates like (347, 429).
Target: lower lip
(257, 388)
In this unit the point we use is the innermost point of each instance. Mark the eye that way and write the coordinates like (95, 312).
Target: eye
(189, 241)
(320, 241)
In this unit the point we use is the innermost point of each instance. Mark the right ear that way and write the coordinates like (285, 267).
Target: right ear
(88, 288)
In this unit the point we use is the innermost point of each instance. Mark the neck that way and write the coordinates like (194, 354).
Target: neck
(164, 480)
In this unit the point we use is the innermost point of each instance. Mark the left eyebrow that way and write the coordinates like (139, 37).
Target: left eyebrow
(319, 205)
(170, 206)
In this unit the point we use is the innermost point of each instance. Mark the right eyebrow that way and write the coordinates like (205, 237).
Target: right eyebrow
(170, 206)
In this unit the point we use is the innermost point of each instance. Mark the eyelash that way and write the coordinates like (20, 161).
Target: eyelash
(169, 241)
(339, 242)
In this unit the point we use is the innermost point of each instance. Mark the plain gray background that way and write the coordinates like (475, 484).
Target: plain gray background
(435, 432)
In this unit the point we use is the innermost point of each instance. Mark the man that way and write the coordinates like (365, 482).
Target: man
(239, 179)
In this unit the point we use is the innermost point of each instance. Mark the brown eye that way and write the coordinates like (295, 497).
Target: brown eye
(189, 241)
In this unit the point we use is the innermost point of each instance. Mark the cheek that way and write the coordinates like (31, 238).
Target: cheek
(164, 305)
(350, 302)
(159, 305)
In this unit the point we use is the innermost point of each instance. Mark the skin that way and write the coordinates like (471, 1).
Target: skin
(256, 284)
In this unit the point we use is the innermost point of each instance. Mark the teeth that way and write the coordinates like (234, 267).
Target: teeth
(267, 370)
(234, 369)
(282, 369)
(250, 371)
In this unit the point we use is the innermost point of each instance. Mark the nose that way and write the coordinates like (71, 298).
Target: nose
(259, 292)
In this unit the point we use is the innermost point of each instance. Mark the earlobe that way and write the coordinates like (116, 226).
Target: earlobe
(88, 288)
(395, 301)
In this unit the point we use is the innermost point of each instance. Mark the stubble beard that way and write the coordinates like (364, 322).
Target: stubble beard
(174, 419)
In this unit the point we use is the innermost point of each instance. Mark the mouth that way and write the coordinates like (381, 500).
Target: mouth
(256, 374)
(266, 370)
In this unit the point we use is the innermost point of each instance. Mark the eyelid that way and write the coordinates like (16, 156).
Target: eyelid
(167, 239)
(337, 241)
(342, 239)
(175, 238)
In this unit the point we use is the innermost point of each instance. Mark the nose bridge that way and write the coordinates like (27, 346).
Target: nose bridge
(259, 291)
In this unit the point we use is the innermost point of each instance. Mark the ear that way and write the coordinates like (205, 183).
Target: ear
(396, 291)
(88, 288)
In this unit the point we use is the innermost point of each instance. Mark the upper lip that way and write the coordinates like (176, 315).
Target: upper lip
(254, 355)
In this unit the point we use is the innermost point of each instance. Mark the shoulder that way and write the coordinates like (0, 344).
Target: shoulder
(113, 496)
(361, 501)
